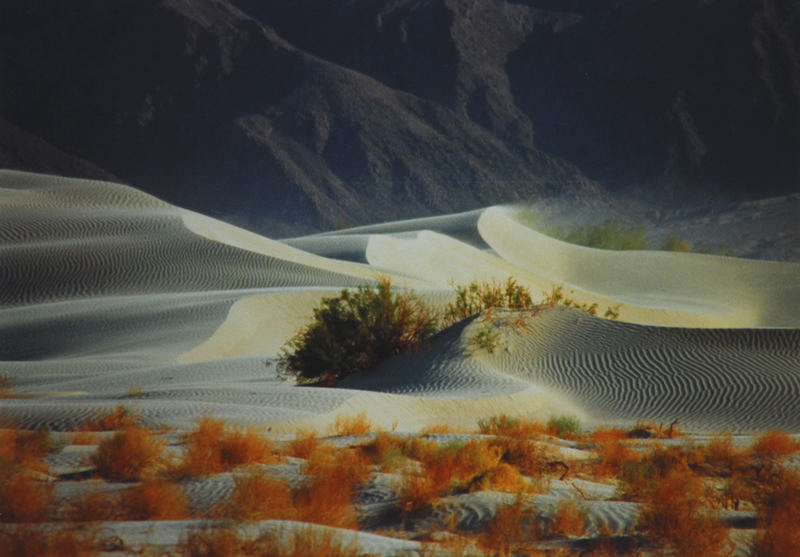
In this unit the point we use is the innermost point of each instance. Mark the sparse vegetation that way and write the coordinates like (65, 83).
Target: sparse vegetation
(216, 447)
(676, 243)
(133, 453)
(681, 487)
(355, 331)
(477, 297)
(565, 426)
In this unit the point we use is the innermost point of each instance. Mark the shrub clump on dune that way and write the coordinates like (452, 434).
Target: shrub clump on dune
(356, 330)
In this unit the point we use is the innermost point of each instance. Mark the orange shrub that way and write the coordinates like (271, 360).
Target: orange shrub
(506, 426)
(502, 477)
(133, 453)
(613, 457)
(779, 519)
(721, 458)
(217, 542)
(774, 445)
(386, 450)
(513, 530)
(528, 456)
(439, 429)
(23, 499)
(459, 463)
(608, 435)
(213, 448)
(335, 476)
(26, 448)
(94, 506)
(417, 493)
(352, 425)
(27, 541)
(305, 542)
(303, 444)
(568, 520)
(154, 500)
(258, 496)
(673, 515)
(120, 418)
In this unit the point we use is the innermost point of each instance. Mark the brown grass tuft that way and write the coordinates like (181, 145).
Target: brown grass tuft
(133, 453)
(613, 457)
(335, 476)
(529, 457)
(214, 447)
(513, 530)
(352, 425)
(28, 541)
(674, 515)
(303, 444)
(417, 493)
(506, 426)
(154, 500)
(94, 506)
(387, 451)
(305, 542)
(568, 520)
(774, 445)
(779, 519)
(23, 499)
(258, 496)
(502, 477)
(120, 418)
(26, 448)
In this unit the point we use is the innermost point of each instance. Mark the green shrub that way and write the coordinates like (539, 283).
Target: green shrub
(487, 338)
(355, 331)
(675, 243)
(479, 296)
(608, 235)
(564, 426)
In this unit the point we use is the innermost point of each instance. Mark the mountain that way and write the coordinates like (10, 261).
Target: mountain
(292, 116)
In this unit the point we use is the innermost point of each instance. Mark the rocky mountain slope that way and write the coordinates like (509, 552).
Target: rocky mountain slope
(297, 115)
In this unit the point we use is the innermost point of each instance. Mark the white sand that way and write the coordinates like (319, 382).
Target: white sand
(105, 291)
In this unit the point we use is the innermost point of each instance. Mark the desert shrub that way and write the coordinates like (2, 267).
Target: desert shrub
(721, 458)
(676, 243)
(565, 426)
(611, 234)
(460, 462)
(133, 453)
(94, 506)
(23, 499)
(352, 425)
(335, 475)
(119, 418)
(258, 496)
(502, 477)
(674, 516)
(154, 500)
(214, 542)
(569, 519)
(480, 296)
(613, 456)
(27, 448)
(488, 338)
(303, 542)
(779, 518)
(303, 444)
(437, 429)
(774, 446)
(528, 456)
(355, 331)
(416, 494)
(508, 426)
(512, 531)
(67, 541)
(386, 451)
(215, 447)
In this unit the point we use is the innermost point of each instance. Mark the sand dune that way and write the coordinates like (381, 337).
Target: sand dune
(106, 291)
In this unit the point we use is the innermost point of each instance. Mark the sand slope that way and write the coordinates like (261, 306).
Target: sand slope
(107, 293)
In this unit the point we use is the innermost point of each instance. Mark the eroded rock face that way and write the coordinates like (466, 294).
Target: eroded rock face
(296, 115)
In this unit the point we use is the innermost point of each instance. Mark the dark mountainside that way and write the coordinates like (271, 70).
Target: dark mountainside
(291, 116)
